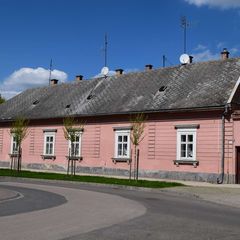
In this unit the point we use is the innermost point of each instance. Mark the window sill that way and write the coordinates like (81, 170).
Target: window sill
(128, 160)
(195, 163)
(13, 155)
(74, 158)
(52, 157)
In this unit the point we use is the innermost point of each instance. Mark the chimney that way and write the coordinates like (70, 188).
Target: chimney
(224, 54)
(53, 82)
(79, 78)
(148, 67)
(190, 59)
(119, 71)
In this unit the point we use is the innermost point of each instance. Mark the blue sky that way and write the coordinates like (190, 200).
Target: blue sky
(71, 32)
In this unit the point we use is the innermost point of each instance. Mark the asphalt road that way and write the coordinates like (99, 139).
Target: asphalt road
(110, 213)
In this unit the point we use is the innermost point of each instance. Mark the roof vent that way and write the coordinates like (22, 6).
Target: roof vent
(119, 71)
(79, 78)
(35, 102)
(148, 67)
(162, 88)
(225, 54)
(190, 59)
(54, 82)
(89, 97)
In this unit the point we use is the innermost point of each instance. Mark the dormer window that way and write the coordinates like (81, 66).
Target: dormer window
(162, 88)
(89, 97)
(35, 102)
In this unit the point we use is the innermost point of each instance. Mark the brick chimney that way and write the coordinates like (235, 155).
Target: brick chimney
(53, 82)
(225, 54)
(190, 59)
(148, 67)
(119, 71)
(79, 78)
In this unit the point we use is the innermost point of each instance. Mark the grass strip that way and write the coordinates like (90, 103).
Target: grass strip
(91, 179)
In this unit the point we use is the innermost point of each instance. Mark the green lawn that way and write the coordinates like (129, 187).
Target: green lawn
(92, 179)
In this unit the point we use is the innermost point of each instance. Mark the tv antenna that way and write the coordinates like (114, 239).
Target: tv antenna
(105, 50)
(50, 72)
(184, 24)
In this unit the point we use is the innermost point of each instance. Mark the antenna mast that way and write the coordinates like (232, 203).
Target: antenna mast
(184, 25)
(50, 72)
(163, 60)
(105, 50)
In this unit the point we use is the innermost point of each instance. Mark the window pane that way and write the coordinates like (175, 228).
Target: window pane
(190, 150)
(47, 139)
(47, 148)
(183, 138)
(183, 150)
(76, 151)
(190, 138)
(124, 149)
(51, 139)
(125, 138)
(50, 148)
(119, 149)
(119, 138)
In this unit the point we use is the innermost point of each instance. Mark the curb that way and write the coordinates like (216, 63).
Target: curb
(112, 186)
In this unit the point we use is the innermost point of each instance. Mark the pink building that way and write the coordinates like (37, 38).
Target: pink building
(192, 130)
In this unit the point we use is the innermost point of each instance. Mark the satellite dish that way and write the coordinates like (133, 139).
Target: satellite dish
(104, 71)
(184, 58)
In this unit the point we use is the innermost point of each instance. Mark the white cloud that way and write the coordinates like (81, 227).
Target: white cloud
(220, 45)
(130, 70)
(222, 4)
(110, 73)
(200, 47)
(205, 55)
(234, 50)
(28, 78)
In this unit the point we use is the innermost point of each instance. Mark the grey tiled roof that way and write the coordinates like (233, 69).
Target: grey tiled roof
(196, 85)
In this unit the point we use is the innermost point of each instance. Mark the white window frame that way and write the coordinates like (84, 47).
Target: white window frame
(79, 133)
(12, 143)
(49, 134)
(122, 133)
(186, 131)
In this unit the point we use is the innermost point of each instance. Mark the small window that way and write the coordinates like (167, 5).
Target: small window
(14, 145)
(68, 106)
(186, 144)
(35, 102)
(89, 97)
(76, 144)
(162, 88)
(49, 142)
(122, 144)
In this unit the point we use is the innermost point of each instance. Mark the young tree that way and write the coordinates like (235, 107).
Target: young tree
(2, 99)
(72, 129)
(19, 130)
(138, 125)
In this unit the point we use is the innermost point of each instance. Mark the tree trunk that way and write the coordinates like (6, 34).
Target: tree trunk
(135, 162)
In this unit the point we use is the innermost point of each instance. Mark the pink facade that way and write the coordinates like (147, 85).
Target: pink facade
(158, 150)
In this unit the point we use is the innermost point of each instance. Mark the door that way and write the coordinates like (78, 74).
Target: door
(238, 165)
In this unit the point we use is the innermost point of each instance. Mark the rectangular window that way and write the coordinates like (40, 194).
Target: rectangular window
(186, 144)
(14, 145)
(122, 144)
(76, 144)
(49, 141)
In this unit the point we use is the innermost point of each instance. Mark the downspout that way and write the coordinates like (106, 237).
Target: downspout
(220, 179)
